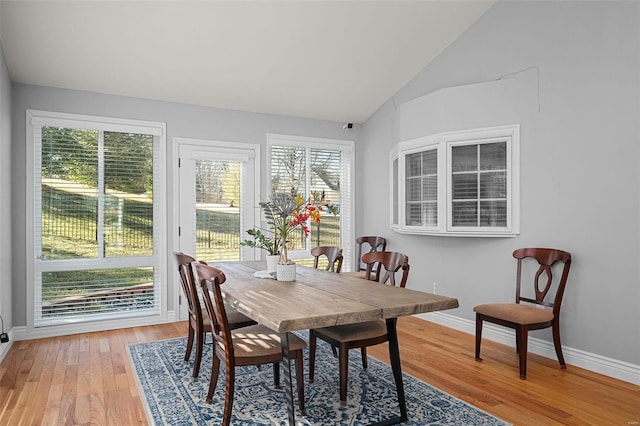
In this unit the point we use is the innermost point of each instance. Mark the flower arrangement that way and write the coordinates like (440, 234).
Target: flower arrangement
(286, 213)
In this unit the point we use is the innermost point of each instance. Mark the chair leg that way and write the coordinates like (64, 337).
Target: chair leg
(556, 343)
(187, 353)
(521, 337)
(228, 396)
(478, 336)
(363, 352)
(300, 380)
(215, 368)
(312, 355)
(199, 346)
(343, 363)
(276, 375)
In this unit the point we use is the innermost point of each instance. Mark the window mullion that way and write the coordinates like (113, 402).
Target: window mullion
(307, 185)
(101, 196)
(478, 179)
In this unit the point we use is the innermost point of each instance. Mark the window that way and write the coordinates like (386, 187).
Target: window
(302, 165)
(97, 218)
(458, 183)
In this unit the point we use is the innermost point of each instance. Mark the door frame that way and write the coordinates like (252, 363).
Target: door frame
(253, 150)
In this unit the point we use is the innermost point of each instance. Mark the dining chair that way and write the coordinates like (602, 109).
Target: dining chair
(366, 244)
(363, 334)
(525, 317)
(198, 320)
(251, 345)
(333, 255)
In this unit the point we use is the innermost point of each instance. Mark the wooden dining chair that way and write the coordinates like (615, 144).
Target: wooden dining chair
(332, 254)
(251, 345)
(363, 334)
(198, 319)
(366, 244)
(528, 316)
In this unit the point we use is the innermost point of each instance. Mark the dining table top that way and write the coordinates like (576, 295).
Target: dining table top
(319, 298)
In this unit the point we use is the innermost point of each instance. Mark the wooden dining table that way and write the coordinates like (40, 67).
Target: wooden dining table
(320, 299)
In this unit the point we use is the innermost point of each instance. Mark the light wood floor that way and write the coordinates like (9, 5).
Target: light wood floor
(87, 379)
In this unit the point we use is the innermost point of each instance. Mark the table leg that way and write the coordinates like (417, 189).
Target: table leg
(286, 363)
(394, 356)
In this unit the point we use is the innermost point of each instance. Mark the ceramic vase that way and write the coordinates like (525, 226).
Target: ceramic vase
(272, 261)
(286, 272)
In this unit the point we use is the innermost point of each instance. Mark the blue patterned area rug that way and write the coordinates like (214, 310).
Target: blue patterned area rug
(172, 397)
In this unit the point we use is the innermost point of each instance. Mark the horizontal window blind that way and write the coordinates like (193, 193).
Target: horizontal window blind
(479, 185)
(300, 167)
(95, 226)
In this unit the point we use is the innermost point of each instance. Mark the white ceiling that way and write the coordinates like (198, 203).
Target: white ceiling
(330, 60)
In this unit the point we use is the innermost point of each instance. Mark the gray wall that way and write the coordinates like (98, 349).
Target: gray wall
(579, 166)
(5, 195)
(185, 121)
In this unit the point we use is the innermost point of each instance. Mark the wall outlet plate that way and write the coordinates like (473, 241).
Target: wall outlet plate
(4, 338)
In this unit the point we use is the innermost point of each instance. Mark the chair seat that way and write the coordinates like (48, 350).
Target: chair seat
(354, 332)
(515, 312)
(258, 340)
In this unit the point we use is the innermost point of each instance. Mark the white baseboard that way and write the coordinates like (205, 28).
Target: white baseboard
(620, 370)
(23, 333)
(4, 347)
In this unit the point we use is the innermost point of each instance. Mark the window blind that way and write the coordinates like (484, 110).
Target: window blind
(95, 222)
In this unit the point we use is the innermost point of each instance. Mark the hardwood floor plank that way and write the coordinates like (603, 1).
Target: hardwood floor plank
(88, 379)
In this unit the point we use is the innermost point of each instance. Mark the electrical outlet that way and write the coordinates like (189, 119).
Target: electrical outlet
(4, 338)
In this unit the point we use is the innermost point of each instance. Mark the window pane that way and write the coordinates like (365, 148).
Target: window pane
(465, 186)
(93, 201)
(493, 156)
(464, 158)
(493, 185)
(288, 169)
(430, 188)
(493, 213)
(465, 213)
(430, 162)
(430, 214)
(325, 176)
(413, 189)
(69, 193)
(217, 210)
(414, 214)
(394, 192)
(128, 198)
(414, 164)
(72, 293)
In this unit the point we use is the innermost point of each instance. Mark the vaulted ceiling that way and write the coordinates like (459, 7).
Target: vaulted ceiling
(329, 60)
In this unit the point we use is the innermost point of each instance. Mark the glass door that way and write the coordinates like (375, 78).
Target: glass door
(217, 203)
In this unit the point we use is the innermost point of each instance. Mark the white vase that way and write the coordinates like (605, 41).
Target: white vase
(272, 261)
(286, 272)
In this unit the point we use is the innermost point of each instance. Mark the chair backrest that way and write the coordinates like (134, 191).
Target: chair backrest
(333, 255)
(188, 284)
(546, 258)
(387, 263)
(374, 244)
(210, 279)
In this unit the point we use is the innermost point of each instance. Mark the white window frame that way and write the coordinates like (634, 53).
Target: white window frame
(444, 142)
(35, 120)
(346, 148)
(394, 176)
